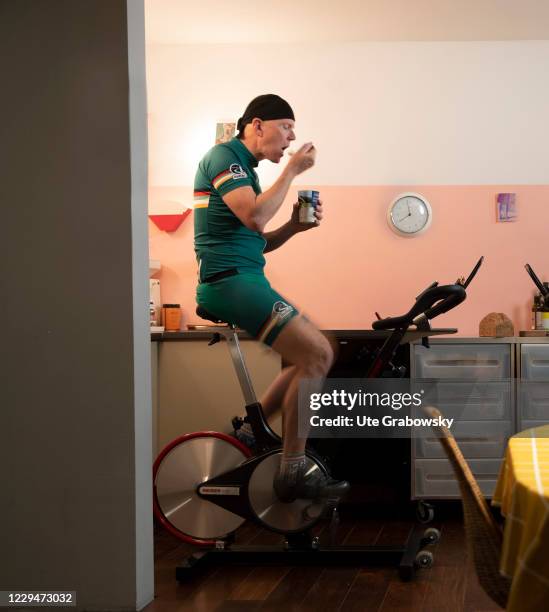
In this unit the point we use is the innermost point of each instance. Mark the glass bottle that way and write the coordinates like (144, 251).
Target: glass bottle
(152, 314)
(535, 312)
(544, 310)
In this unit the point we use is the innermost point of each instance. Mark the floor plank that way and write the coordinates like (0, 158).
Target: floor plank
(476, 600)
(292, 590)
(445, 585)
(368, 590)
(260, 583)
(330, 589)
(217, 588)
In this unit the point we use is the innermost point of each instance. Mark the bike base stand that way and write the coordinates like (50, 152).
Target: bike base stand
(403, 557)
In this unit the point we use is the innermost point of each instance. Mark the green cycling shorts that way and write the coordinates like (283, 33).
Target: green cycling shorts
(248, 301)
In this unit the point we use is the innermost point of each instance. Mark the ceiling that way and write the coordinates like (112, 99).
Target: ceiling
(301, 21)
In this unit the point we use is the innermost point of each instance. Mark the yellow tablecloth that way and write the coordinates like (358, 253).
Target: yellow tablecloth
(522, 491)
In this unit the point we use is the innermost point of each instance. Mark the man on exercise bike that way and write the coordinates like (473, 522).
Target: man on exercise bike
(231, 213)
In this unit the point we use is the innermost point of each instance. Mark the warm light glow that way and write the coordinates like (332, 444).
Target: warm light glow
(169, 207)
(199, 139)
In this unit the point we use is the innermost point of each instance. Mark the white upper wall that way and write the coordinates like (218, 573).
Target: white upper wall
(379, 113)
(239, 21)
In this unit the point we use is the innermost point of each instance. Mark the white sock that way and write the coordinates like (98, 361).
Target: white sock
(246, 429)
(290, 465)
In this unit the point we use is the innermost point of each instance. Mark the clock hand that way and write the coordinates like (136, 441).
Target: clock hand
(405, 217)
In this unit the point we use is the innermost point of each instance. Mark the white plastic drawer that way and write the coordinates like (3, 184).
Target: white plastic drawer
(434, 478)
(534, 362)
(471, 400)
(465, 361)
(476, 439)
(533, 400)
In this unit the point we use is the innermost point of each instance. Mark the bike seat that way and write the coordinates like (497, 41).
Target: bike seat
(204, 314)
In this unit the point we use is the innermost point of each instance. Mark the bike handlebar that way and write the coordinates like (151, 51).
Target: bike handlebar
(542, 288)
(434, 301)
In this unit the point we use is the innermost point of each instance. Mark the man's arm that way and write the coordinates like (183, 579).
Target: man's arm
(279, 236)
(256, 211)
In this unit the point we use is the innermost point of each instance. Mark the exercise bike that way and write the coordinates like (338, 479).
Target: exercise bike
(207, 484)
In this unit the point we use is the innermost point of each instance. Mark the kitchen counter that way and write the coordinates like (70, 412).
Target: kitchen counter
(492, 340)
(447, 335)
(205, 332)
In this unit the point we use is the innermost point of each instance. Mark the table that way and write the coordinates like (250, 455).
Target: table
(522, 492)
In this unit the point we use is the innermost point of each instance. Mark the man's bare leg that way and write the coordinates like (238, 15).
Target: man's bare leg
(271, 401)
(305, 346)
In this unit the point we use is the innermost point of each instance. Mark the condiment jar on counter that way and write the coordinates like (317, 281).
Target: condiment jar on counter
(545, 309)
(171, 314)
(537, 310)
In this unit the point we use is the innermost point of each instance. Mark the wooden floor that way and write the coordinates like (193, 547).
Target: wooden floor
(449, 586)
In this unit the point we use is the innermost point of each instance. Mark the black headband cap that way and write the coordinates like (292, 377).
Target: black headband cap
(266, 107)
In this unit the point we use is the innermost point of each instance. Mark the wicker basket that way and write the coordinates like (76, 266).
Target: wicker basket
(484, 535)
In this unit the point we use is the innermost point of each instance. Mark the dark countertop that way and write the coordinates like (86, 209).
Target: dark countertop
(205, 333)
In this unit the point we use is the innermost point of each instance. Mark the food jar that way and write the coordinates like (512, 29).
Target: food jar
(171, 315)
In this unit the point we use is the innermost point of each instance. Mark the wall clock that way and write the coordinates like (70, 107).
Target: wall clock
(409, 214)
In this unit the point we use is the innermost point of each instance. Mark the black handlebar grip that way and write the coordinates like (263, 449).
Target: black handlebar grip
(455, 296)
(473, 273)
(543, 289)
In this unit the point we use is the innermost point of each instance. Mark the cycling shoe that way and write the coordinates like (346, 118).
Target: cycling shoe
(309, 485)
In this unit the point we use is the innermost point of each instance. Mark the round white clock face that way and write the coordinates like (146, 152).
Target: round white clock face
(409, 214)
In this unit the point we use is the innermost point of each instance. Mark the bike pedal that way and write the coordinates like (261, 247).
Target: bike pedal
(237, 423)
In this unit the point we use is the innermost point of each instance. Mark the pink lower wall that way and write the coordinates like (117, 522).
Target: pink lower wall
(353, 265)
